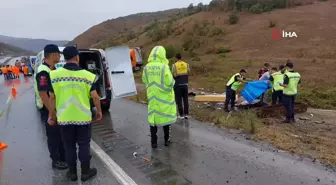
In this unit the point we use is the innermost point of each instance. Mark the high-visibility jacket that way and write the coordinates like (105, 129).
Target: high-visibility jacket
(294, 79)
(4, 70)
(278, 79)
(25, 70)
(72, 92)
(232, 83)
(181, 72)
(16, 71)
(133, 57)
(38, 100)
(160, 89)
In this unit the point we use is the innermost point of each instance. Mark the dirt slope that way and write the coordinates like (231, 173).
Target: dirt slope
(216, 49)
(113, 27)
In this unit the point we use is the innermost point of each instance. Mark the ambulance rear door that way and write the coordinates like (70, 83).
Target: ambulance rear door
(120, 72)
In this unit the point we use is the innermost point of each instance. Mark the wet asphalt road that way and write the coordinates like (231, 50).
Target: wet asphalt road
(200, 154)
(26, 160)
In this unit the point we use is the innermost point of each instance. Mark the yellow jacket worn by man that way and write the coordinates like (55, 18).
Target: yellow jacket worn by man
(72, 89)
(160, 94)
(181, 72)
(291, 81)
(277, 79)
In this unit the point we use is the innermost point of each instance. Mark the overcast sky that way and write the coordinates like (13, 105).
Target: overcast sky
(65, 19)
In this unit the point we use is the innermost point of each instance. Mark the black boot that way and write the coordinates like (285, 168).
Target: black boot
(166, 130)
(59, 165)
(167, 143)
(153, 131)
(154, 145)
(87, 172)
(72, 173)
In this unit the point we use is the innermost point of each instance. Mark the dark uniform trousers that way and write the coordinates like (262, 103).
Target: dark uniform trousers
(55, 144)
(230, 97)
(81, 135)
(166, 131)
(277, 96)
(289, 101)
(181, 98)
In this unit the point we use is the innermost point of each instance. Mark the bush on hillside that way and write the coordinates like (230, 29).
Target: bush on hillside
(233, 18)
(190, 42)
(201, 29)
(130, 35)
(171, 51)
(216, 31)
(151, 25)
(222, 49)
(257, 8)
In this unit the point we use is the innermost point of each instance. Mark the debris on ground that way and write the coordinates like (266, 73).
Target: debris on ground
(146, 159)
(304, 118)
(319, 122)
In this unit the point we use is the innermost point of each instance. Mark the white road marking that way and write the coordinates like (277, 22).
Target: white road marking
(112, 166)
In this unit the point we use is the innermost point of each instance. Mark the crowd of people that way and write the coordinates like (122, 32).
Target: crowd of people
(167, 92)
(167, 88)
(284, 80)
(13, 72)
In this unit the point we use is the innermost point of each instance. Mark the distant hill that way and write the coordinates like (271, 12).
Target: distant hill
(35, 45)
(114, 27)
(6, 49)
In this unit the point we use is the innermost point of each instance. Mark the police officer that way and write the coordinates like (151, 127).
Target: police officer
(159, 82)
(42, 92)
(231, 88)
(277, 78)
(72, 88)
(291, 81)
(181, 72)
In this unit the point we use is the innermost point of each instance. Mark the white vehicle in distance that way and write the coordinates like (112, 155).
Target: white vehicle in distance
(113, 66)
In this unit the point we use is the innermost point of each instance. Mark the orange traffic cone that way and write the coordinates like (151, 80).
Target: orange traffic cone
(3, 146)
(14, 92)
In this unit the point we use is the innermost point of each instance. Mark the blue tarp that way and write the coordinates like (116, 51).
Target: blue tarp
(255, 89)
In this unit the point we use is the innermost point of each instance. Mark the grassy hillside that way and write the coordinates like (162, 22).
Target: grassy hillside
(114, 27)
(6, 49)
(216, 48)
(218, 42)
(35, 45)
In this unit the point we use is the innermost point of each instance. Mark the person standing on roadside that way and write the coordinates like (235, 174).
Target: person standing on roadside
(277, 78)
(42, 92)
(4, 72)
(71, 90)
(181, 72)
(291, 81)
(231, 88)
(159, 83)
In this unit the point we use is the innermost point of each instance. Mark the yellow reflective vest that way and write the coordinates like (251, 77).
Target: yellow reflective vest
(38, 100)
(294, 79)
(159, 84)
(278, 79)
(72, 92)
(234, 84)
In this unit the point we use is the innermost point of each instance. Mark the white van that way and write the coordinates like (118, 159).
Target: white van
(113, 66)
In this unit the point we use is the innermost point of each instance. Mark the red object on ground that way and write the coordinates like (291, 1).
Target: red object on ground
(14, 92)
(3, 146)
